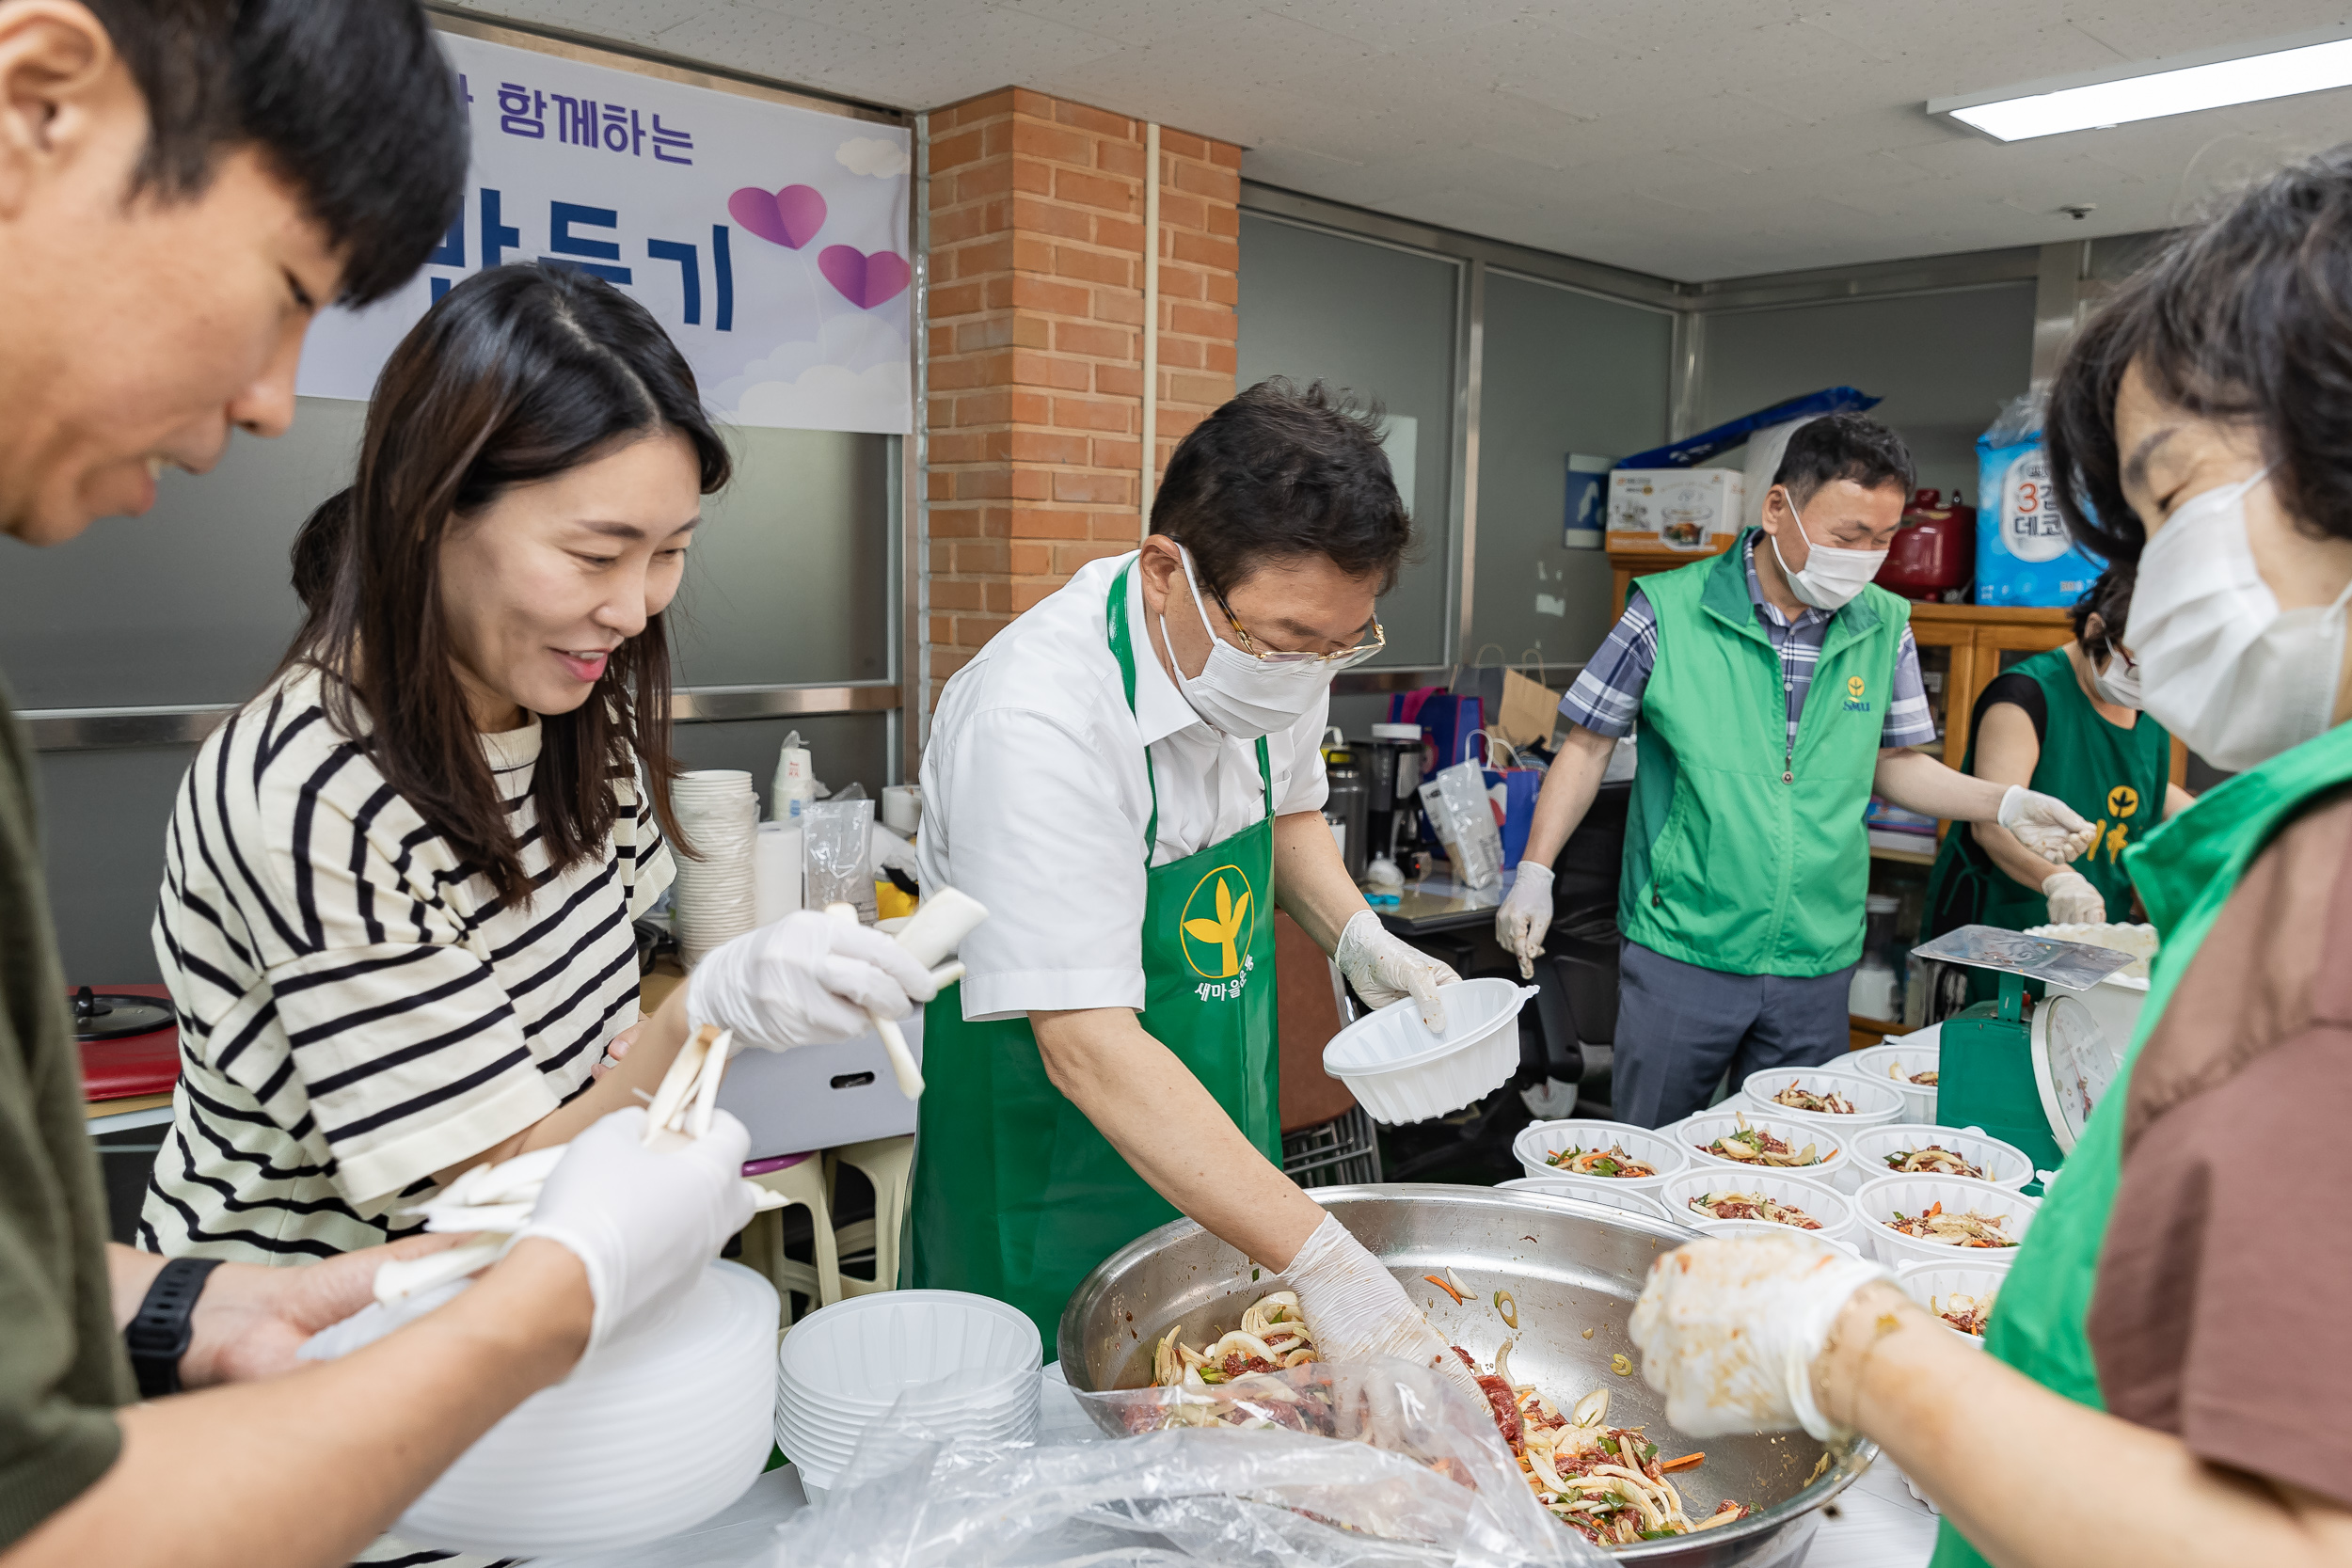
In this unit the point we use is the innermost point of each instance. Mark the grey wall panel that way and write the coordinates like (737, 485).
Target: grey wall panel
(103, 820)
(1380, 322)
(1944, 363)
(1565, 372)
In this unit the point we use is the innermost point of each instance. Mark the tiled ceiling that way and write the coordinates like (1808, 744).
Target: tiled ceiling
(1694, 140)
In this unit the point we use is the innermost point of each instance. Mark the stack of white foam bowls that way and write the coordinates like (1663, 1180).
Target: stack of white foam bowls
(969, 1363)
(714, 894)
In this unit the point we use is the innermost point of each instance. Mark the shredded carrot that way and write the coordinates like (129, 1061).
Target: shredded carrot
(1458, 1297)
(1683, 1464)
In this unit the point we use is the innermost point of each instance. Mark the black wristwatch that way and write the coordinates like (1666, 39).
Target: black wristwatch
(158, 1335)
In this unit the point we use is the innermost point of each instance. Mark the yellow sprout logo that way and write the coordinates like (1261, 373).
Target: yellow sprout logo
(1853, 686)
(2122, 800)
(1225, 936)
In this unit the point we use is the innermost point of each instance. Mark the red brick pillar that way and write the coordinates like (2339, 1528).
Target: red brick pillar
(1036, 375)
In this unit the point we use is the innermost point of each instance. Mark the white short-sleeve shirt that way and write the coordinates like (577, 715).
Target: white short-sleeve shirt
(1036, 798)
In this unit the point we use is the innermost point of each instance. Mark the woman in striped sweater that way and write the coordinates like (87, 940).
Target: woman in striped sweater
(397, 889)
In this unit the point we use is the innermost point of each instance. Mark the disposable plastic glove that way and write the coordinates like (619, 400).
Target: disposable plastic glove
(643, 1222)
(1729, 1329)
(2045, 825)
(1525, 916)
(1384, 970)
(2072, 900)
(1356, 1308)
(804, 980)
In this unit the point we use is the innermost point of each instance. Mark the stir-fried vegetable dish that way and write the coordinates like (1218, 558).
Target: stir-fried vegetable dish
(1797, 1097)
(1966, 1313)
(1754, 1146)
(1610, 1485)
(1272, 1335)
(1924, 1080)
(1969, 1230)
(1753, 1206)
(1612, 1160)
(1933, 1160)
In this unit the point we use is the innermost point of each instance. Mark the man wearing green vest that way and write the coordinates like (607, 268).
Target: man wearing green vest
(2163, 1380)
(1776, 688)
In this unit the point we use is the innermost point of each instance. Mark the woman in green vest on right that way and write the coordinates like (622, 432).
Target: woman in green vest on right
(2066, 723)
(2165, 1379)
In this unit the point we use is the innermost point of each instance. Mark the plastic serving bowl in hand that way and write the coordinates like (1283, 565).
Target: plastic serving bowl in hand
(1834, 1166)
(1614, 1194)
(2004, 1164)
(1934, 1285)
(1878, 1201)
(1874, 1105)
(1540, 1139)
(1893, 1063)
(1832, 1208)
(1400, 1073)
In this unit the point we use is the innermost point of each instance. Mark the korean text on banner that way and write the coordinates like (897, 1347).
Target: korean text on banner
(769, 241)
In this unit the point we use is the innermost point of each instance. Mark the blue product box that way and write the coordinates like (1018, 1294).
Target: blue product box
(2024, 555)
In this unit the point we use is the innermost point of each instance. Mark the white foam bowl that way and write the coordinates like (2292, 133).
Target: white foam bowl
(1766, 1227)
(1926, 1282)
(1877, 1201)
(2004, 1164)
(1831, 1208)
(1653, 1148)
(650, 1435)
(1874, 1105)
(1614, 1195)
(1837, 1171)
(1400, 1073)
(969, 1361)
(1893, 1063)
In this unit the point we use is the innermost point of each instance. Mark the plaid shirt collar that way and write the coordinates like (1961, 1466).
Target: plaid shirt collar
(1806, 618)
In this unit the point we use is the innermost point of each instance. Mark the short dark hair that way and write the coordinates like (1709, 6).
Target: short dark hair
(350, 101)
(1843, 446)
(521, 373)
(2245, 317)
(2109, 597)
(1276, 474)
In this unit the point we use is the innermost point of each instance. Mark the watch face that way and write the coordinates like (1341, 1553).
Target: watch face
(2073, 1066)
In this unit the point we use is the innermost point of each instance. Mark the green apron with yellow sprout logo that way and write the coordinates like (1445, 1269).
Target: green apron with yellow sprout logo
(1016, 1194)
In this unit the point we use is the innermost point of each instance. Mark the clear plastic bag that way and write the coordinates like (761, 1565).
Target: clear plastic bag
(1382, 1464)
(839, 855)
(1471, 836)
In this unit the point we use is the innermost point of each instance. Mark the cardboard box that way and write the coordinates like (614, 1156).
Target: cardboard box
(1694, 510)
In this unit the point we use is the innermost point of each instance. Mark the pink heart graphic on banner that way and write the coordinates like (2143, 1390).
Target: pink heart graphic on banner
(790, 217)
(864, 281)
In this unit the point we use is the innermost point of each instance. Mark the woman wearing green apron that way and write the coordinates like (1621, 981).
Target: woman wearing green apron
(1128, 777)
(2166, 1380)
(2066, 723)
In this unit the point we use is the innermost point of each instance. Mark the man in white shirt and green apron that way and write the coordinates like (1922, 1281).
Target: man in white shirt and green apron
(1129, 778)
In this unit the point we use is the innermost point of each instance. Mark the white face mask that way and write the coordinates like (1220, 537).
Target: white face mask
(1829, 576)
(1236, 695)
(2228, 671)
(2119, 683)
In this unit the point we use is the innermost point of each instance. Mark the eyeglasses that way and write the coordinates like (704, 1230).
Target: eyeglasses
(1344, 659)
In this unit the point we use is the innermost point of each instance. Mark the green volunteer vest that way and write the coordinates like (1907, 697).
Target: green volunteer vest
(2186, 873)
(2115, 777)
(1743, 853)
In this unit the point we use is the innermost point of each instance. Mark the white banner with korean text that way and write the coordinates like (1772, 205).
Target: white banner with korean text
(769, 241)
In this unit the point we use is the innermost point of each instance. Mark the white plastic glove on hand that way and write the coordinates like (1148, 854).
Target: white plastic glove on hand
(2045, 825)
(804, 980)
(643, 1222)
(1525, 916)
(1356, 1308)
(1729, 1329)
(2072, 900)
(1384, 969)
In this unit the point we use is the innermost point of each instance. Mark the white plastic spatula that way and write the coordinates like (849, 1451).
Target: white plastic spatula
(937, 927)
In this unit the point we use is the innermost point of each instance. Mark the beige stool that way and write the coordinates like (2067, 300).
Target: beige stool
(889, 1165)
(801, 1181)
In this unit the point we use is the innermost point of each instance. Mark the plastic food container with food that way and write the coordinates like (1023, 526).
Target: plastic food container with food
(2004, 1164)
(1893, 1063)
(1835, 1166)
(1831, 1208)
(1931, 1282)
(1651, 1148)
(1400, 1073)
(1614, 1194)
(1877, 1201)
(1768, 1227)
(1874, 1105)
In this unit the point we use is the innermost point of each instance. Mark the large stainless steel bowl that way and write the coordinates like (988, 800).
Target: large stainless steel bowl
(1571, 1266)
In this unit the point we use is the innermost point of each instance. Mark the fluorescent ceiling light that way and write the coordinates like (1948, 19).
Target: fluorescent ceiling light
(2165, 88)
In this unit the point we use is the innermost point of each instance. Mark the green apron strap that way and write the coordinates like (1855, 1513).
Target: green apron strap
(1123, 649)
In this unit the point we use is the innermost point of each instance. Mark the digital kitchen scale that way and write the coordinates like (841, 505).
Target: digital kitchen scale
(2029, 1074)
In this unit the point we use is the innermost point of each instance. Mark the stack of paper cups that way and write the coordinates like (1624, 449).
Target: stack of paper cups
(776, 871)
(715, 897)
